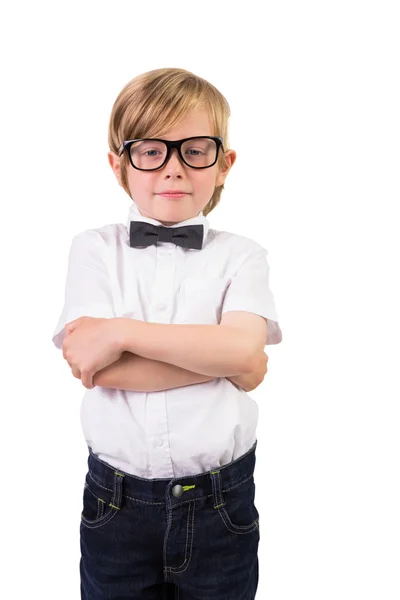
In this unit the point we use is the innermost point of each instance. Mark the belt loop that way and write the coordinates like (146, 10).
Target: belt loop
(217, 489)
(117, 495)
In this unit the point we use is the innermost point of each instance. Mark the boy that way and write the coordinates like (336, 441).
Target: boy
(165, 322)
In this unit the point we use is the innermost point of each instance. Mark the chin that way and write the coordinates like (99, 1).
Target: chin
(169, 219)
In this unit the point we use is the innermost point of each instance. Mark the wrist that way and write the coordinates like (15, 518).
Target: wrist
(127, 333)
(119, 332)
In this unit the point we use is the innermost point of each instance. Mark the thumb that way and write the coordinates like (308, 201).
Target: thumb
(72, 325)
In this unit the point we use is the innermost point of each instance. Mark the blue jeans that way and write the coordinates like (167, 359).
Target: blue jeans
(189, 538)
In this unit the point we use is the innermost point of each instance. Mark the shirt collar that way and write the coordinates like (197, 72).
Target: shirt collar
(135, 215)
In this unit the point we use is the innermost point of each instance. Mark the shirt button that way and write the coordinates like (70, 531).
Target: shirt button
(162, 306)
(160, 442)
(177, 491)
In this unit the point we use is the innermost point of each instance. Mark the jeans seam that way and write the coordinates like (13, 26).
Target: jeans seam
(189, 532)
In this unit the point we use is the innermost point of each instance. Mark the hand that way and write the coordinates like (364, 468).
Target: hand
(249, 381)
(90, 345)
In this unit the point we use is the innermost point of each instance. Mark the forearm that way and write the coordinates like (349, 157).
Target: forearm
(213, 350)
(136, 373)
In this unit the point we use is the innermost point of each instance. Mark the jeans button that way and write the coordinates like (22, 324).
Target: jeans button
(177, 491)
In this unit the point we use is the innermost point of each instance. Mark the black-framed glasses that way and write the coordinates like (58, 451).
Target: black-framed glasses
(149, 154)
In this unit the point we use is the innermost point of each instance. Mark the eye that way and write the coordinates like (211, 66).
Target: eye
(191, 150)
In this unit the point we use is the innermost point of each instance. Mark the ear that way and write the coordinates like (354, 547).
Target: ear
(229, 157)
(115, 163)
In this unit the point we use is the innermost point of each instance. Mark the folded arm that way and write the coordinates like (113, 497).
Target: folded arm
(137, 374)
(213, 350)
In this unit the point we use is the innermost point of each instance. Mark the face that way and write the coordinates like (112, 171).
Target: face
(198, 184)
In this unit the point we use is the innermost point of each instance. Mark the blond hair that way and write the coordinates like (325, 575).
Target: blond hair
(154, 102)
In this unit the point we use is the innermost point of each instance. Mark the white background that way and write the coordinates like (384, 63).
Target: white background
(314, 93)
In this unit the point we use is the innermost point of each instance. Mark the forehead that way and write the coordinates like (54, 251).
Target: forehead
(195, 123)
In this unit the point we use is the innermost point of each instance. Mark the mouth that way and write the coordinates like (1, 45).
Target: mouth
(172, 194)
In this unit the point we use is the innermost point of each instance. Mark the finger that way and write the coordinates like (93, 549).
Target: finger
(87, 379)
(64, 347)
(76, 372)
(73, 324)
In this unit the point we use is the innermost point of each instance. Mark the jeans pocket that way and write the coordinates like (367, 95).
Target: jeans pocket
(238, 511)
(100, 504)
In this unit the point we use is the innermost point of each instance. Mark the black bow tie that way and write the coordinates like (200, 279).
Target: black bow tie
(146, 234)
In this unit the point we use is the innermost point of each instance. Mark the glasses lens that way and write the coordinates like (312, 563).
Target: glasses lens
(148, 154)
(197, 152)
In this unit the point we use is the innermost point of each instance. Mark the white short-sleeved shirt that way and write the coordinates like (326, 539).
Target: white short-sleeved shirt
(185, 430)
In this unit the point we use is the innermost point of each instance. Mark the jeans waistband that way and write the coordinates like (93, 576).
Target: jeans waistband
(189, 487)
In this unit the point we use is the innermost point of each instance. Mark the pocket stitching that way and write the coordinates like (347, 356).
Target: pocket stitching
(227, 520)
(207, 290)
(237, 528)
(105, 517)
(198, 283)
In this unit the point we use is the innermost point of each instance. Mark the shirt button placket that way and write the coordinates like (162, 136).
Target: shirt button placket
(161, 303)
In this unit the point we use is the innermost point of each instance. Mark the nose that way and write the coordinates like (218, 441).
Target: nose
(174, 161)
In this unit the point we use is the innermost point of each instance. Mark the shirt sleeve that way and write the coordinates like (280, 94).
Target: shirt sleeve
(249, 291)
(87, 288)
